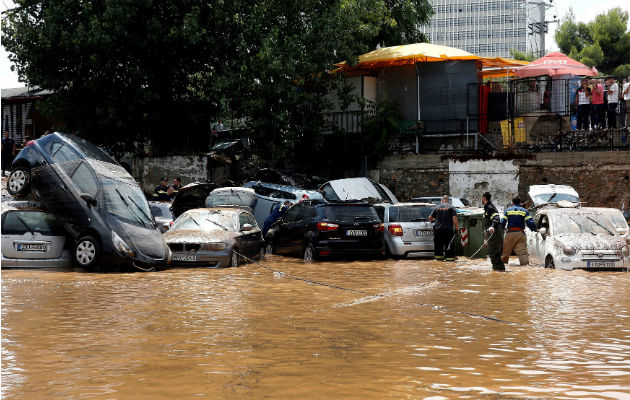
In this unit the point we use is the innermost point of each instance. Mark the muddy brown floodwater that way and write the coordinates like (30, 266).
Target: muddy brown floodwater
(407, 329)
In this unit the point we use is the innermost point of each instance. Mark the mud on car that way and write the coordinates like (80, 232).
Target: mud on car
(96, 201)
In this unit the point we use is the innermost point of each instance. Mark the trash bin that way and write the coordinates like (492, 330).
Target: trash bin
(470, 225)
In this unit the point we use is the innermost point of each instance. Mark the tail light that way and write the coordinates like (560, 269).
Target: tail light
(304, 197)
(395, 230)
(171, 223)
(326, 226)
(379, 227)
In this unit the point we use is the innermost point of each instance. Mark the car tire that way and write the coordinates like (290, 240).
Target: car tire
(268, 248)
(19, 182)
(309, 253)
(86, 252)
(549, 263)
(233, 259)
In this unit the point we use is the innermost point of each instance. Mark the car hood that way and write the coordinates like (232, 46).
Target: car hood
(145, 241)
(191, 196)
(197, 235)
(588, 241)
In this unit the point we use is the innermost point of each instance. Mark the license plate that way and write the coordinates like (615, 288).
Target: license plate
(600, 264)
(356, 232)
(184, 257)
(420, 232)
(31, 247)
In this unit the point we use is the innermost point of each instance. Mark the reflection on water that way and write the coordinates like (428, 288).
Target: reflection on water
(411, 329)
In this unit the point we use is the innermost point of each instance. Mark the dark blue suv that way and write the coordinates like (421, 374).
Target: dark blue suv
(318, 229)
(95, 199)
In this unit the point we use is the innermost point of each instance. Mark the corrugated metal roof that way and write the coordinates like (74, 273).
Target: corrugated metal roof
(25, 91)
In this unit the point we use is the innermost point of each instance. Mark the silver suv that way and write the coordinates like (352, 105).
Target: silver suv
(408, 232)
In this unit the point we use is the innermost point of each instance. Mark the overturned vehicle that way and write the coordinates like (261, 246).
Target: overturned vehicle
(96, 201)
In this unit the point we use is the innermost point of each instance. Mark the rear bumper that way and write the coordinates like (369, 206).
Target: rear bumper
(65, 261)
(398, 247)
(369, 249)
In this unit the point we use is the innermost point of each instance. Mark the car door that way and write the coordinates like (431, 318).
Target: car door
(283, 235)
(251, 241)
(302, 225)
(31, 235)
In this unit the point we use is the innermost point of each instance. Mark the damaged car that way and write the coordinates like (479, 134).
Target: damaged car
(96, 201)
(215, 237)
(408, 232)
(542, 195)
(191, 196)
(575, 238)
(357, 189)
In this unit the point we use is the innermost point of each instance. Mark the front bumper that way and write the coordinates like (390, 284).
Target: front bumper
(218, 259)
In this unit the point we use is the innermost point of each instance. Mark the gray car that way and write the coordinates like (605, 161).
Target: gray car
(214, 237)
(161, 212)
(408, 232)
(32, 238)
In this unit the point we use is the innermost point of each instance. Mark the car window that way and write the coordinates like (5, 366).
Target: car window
(90, 150)
(329, 192)
(292, 214)
(245, 218)
(351, 213)
(66, 157)
(126, 201)
(263, 191)
(306, 212)
(85, 179)
(280, 194)
(21, 222)
(380, 211)
(156, 211)
(235, 198)
(409, 213)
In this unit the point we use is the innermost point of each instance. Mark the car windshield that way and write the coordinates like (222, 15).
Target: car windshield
(127, 202)
(617, 220)
(230, 198)
(207, 221)
(351, 213)
(582, 223)
(160, 211)
(89, 149)
(554, 198)
(409, 213)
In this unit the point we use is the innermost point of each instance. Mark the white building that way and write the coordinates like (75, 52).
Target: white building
(489, 28)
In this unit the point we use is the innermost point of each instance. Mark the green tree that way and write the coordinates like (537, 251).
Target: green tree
(126, 70)
(519, 55)
(604, 42)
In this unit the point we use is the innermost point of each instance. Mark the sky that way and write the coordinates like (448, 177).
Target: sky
(584, 10)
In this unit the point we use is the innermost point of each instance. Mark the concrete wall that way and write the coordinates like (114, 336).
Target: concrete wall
(601, 178)
(149, 170)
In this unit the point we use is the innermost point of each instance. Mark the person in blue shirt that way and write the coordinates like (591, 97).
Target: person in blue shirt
(161, 191)
(516, 217)
(277, 213)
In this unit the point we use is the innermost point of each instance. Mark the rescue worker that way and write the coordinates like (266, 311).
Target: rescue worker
(515, 238)
(445, 218)
(275, 215)
(161, 192)
(177, 184)
(494, 232)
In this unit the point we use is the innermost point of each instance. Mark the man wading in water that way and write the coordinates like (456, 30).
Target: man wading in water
(445, 218)
(492, 225)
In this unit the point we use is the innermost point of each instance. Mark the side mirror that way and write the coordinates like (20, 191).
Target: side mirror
(247, 228)
(542, 231)
(89, 200)
(166, 226)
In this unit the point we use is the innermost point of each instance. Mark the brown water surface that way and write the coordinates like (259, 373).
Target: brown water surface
(408, 329)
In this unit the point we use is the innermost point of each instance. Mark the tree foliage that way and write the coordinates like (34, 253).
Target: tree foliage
(522, 56)
(126, 70)
(604, 42)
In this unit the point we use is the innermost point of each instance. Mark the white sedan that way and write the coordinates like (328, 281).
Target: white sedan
(570, 238)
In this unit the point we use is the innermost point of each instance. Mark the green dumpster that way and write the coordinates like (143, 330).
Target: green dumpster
(470, 226)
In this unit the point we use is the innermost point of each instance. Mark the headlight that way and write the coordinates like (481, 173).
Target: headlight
(215, 246)
(569, 251)
(121, 246)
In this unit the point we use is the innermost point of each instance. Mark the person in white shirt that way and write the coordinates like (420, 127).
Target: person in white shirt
(625, 92)
(613, 100)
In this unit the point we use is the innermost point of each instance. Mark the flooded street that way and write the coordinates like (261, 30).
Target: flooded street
(382, 329)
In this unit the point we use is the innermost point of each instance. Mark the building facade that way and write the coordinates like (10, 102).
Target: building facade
(489, 28)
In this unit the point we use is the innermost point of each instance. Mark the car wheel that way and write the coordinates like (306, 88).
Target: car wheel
(309, 253)
(19, 183)
(268, 248)
(549, 263)
(262, 253)
(86, 252)
(233, 259)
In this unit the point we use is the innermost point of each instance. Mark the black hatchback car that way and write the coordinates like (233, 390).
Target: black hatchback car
(317, 229)
(95, 199)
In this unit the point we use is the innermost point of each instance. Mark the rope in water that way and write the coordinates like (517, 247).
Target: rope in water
(311, 282)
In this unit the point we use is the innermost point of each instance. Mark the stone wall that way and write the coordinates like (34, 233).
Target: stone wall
(149, 170)
(601, 178)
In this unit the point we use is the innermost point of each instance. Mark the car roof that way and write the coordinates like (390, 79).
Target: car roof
(286, 188)
(233, 189)
(226, 210)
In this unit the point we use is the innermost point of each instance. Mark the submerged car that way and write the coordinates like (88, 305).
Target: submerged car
(571, 238)
(408, 232)
(357, 189)
(214, 237)
(161, 212)
(95, 200)
(317, 229)
(32, 238)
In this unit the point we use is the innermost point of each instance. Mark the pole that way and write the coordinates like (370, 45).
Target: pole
(418, 109)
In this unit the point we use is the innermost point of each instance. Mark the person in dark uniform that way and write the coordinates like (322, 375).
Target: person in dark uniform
(494, 232)
(445, 218)
(516, 218)
(277, 213)
(161, 192)
(177, 184)
(8, 151)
